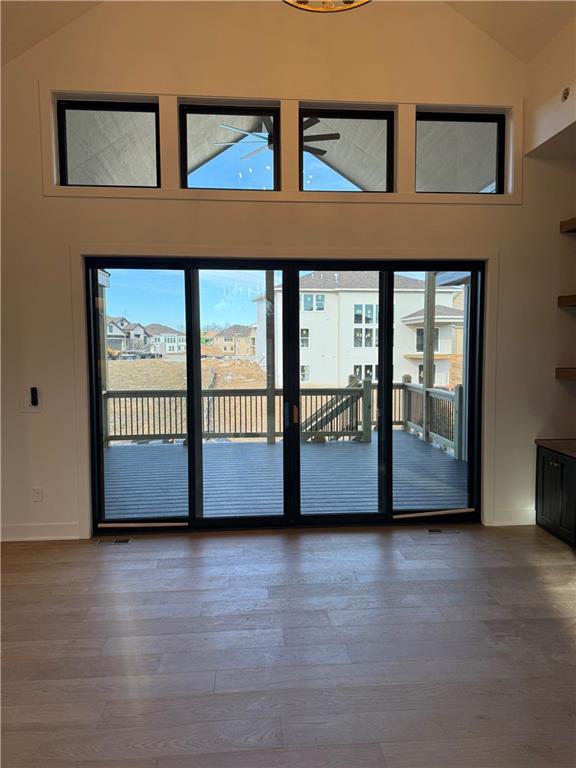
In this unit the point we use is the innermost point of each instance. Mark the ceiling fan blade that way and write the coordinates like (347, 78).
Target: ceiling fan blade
(323, 137)
(309, 123)
(315, 151)
(239, 130)
(254, 152)
(268, 123)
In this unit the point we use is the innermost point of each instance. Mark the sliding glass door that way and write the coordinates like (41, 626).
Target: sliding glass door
(338, 375)
(241, 394)
(140, 394)
(283, 393)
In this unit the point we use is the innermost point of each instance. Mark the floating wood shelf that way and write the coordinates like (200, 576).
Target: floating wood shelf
(568, 374)
(567, 301)
(568, 225)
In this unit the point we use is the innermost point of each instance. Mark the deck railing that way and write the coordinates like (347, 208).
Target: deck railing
(342, 413)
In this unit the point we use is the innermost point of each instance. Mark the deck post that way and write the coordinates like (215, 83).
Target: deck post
(428, 357)
(406, 400)
(366, 411)
(270, 360)
(458, 422)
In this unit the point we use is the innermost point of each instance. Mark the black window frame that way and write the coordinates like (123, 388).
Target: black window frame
(350, 114)
(185, 109)
(62, 105)
(498, 118)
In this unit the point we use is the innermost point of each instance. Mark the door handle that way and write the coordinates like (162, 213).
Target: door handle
(295, 415)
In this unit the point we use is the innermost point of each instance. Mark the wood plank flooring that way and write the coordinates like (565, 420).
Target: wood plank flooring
(149, 480)
(343, 648)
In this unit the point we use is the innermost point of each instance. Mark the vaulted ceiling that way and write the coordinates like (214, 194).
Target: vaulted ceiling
(524, 28)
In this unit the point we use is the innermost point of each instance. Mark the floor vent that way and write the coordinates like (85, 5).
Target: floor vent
(113, 541)
(439, 530)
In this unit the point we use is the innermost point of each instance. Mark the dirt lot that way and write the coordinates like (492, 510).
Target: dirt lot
(167, 374)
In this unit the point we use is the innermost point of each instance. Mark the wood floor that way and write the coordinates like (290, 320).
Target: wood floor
(342, 648)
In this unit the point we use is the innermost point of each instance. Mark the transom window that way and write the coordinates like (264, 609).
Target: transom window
(108, 144)
(229, 148)
(346, 150)
(460, 153)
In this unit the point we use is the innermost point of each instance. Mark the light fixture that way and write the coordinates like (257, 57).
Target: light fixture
(326, 6)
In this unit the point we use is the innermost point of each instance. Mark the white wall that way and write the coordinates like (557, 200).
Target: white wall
(397, 51)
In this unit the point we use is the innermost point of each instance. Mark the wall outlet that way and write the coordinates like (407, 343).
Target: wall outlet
(38, 494)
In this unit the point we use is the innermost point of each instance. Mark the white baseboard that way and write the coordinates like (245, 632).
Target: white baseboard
(509, 517)
(40, 531)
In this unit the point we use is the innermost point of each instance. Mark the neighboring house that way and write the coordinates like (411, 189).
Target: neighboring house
(115, 336)
(137, 338)
(339, 313)
(237, 340)
(166, 340)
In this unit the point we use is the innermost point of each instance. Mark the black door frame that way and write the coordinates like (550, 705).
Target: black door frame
(291, 353)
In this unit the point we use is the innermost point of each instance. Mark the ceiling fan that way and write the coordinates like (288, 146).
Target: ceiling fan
(265, 138)
(310, 122)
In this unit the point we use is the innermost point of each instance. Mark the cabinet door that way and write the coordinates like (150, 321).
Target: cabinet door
(549, 489)
(556, 498)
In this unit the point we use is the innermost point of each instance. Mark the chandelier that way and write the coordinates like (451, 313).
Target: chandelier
(326, 6)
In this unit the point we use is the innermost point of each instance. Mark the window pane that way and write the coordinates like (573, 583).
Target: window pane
(369, 314)
(456, 156)
(308, 302)
(320, 302)
(304, 337)
(358, 337)
(357, 313)
(107, 146)
(368, 337)
(345, 152)
(368, 371)
(229, 151)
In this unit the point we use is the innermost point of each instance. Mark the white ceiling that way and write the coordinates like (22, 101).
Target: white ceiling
(523, 28)
(26, 23)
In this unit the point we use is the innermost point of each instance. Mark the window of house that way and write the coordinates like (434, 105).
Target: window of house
(308, 302)
(377, 373)
(358, 371)
(368, 371)
(320, 302)
(110, 329)
(420, 339)
(368, 337)
(358, 313)
(229, 148)
(369, 313)
(376, 337)
(377, 313)
(346, 150)
(228, 338)
(357, 337)
(108, 144)
(304, 338)
(304, 373)
(421, 373)
(461, 153)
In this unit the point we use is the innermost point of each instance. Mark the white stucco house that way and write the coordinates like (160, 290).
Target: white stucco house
(339, 329)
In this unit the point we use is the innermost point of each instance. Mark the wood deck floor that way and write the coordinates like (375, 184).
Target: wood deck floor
(320, 648)
(240, 479)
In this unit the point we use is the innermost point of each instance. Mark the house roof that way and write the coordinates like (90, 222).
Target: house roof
(347, 280)
(236, 330)
(440, 311)
(116, 319)
(131, 326)
(156, 329)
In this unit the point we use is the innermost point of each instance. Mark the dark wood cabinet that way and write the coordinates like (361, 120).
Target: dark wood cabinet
(556, 490)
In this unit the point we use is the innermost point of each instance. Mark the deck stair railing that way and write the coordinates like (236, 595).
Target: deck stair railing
(348, 413)
(336, 412)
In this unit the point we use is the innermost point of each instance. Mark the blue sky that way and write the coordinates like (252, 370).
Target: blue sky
(157, 295)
